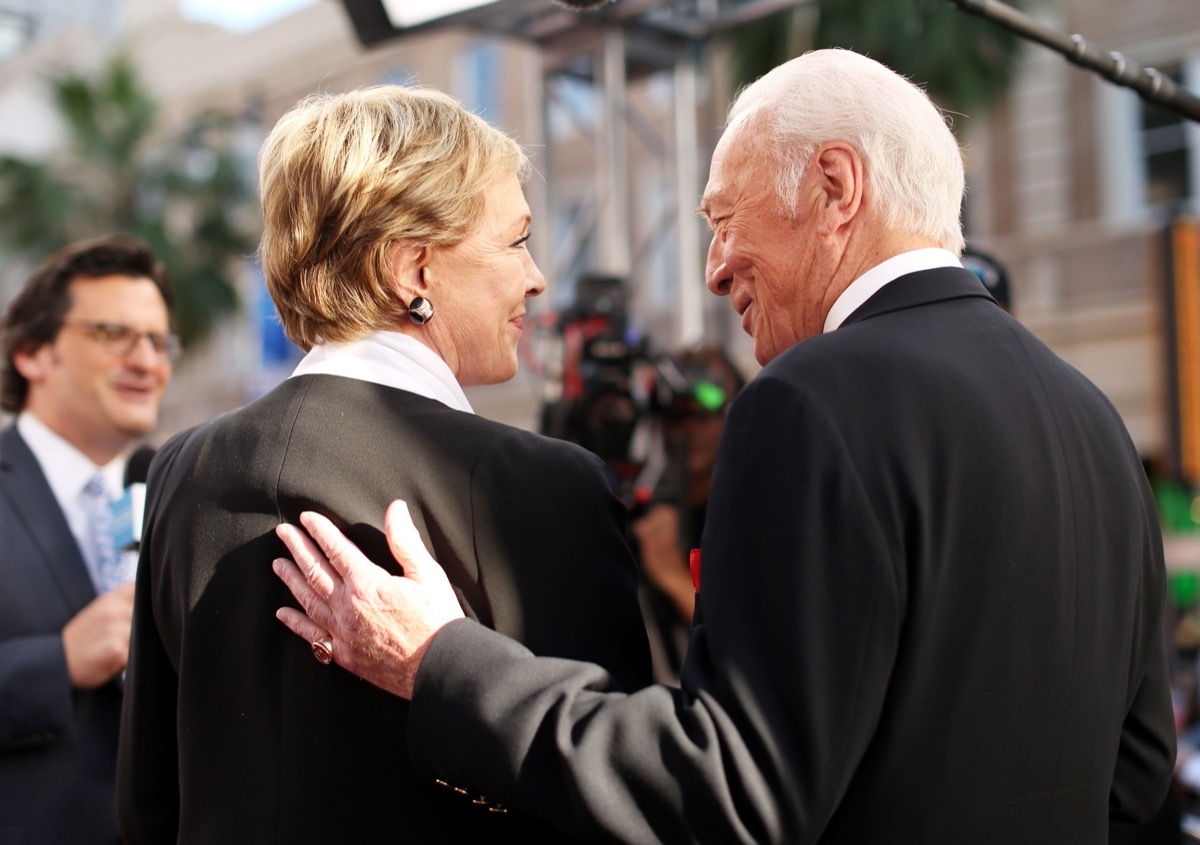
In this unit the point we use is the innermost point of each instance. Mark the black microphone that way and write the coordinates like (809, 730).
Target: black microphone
(138, 467)
(582, 5)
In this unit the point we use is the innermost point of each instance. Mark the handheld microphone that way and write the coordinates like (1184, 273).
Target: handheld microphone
(137, 469)
(129, 510)
(582, 5)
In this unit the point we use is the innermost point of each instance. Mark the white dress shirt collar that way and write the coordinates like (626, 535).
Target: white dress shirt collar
(390, 359)
(870, 282)
(66, 468)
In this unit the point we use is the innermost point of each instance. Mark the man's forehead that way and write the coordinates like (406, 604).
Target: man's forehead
(732, 163)
(115, 294)
(109, 285)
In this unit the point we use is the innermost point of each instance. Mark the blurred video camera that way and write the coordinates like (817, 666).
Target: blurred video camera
(611, 390)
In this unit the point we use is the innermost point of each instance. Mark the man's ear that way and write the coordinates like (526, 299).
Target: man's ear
(840, 170)
(30, 362)
(407, 264)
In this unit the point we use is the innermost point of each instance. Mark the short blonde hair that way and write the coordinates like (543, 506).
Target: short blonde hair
(343, 177)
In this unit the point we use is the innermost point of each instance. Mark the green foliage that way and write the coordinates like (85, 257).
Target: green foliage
(964, 62)
(1178, 506)
(186, 197)
(760, 45)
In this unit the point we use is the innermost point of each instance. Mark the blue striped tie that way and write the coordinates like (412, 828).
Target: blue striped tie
(107, 561)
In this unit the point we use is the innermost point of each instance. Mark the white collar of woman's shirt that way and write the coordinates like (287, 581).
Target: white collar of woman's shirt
(869, 283)
(390, 359)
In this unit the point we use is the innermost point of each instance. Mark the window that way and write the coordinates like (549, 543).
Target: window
(15, 31)
(1150, 155)
(479, 76)
(571, 108)
(1167, 161)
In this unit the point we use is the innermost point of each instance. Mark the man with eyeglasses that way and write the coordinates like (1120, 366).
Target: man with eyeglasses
(87, 356)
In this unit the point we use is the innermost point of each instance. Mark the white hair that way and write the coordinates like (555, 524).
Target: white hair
(914, 166)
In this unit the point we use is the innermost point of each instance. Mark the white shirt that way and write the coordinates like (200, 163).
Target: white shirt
(68, 471)
(392, 360)
(870, 282)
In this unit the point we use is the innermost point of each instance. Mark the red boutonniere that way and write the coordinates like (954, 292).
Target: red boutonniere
(694, 565)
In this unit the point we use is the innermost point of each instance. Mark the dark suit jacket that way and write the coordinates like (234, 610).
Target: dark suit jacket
(233, 732)
(930, 612)
(58, 747)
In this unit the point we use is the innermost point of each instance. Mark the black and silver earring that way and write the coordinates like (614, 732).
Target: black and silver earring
(420, 311)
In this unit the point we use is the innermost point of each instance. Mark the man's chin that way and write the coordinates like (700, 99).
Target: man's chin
(137, 426)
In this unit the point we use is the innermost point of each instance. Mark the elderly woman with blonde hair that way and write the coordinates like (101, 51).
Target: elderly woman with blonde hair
(394, 247)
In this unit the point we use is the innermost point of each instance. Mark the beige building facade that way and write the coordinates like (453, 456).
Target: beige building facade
(1072, 183)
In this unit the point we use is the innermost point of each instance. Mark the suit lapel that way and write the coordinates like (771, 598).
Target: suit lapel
(33, 502)
(921, 288)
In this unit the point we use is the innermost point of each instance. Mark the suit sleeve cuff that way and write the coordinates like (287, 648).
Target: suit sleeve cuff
(463, 661)
(35, 692)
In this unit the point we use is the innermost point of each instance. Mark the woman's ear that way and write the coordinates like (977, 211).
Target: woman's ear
(407, 264)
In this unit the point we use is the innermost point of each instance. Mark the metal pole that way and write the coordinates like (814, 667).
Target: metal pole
(1148, 82)
(690, 273)
(613, 164)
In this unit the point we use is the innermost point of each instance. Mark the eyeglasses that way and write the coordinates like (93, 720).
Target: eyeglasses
(122, 340)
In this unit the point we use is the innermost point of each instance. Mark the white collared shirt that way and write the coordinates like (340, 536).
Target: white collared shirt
(390, 359)
(68, 471)
(870, 282)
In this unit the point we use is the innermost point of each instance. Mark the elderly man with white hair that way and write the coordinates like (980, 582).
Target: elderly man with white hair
(931, 586)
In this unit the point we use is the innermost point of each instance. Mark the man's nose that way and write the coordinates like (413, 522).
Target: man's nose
(143, 355)
(716, 275)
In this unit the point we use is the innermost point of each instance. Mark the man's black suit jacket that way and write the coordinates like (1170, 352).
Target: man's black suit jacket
(58, 746)
(232, 731)
(930, 612)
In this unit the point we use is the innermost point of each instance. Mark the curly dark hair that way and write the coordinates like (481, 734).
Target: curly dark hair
(35, 317)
